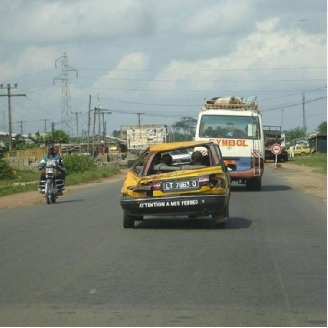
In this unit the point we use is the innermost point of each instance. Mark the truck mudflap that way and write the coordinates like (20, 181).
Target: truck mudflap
(246, 167)
(176, 205)
(245, 175)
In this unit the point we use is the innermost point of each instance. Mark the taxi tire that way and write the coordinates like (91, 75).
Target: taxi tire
(221, 218)
(128, 220)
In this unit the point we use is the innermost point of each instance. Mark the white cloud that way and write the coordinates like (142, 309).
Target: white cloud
(220, 18)
(164, 52)
(268, 46)
(118, 77)
(70, 20)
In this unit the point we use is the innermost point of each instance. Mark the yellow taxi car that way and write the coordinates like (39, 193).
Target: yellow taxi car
(157, 186)
(299, 150)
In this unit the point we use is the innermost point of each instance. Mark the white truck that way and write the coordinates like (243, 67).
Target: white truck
(235, 123)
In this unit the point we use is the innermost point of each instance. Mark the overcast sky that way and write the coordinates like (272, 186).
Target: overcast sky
(161, 58)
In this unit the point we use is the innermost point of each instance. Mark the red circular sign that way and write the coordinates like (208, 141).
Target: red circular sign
(276, 149)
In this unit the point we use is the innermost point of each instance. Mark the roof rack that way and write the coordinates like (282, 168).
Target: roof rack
(235, 103)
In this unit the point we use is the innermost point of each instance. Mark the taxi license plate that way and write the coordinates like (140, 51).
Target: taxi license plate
(180, 185)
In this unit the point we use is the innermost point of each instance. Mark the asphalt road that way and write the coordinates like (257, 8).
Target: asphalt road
(73, 264)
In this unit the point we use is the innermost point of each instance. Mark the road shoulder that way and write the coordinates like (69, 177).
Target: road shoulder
(302, 177)
(34, 197)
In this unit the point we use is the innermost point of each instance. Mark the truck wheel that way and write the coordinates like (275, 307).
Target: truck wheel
(128, 220)
(254, 184)
(258, 183)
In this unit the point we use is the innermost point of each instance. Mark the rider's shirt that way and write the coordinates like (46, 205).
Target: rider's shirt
(48, 157)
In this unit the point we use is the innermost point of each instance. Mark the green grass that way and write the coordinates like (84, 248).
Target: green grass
(28, 180)
(317, 161)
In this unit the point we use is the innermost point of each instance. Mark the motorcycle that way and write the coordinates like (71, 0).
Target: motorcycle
(51, 187)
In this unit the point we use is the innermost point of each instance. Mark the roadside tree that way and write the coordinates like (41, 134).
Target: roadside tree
(322, 128)
(57, 136)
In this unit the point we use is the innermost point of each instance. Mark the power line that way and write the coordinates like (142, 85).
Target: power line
(227, 91)
(294, 104)
(295, 94)
(212, 81)
(203, 70)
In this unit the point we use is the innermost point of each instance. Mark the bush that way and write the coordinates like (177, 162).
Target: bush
(6, 172)
(77, 163)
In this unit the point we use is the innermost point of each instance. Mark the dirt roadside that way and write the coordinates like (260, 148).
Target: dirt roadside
(301, 177)
(33, 197)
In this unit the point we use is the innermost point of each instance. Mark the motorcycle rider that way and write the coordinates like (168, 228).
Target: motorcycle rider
(60, 170)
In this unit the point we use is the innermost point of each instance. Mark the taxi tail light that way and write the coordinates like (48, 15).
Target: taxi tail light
(156, 185)
(204, 180)
(216, 181)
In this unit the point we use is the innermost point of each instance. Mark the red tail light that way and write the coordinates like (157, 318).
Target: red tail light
(156, 185)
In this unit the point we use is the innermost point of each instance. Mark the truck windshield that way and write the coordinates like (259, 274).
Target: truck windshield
(224, 126)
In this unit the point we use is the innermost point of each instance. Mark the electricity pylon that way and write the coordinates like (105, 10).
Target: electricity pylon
(66, 111)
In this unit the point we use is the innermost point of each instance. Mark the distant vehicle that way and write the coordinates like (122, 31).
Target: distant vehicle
(180, 156)
(273, 135)
(155, 188)
(299, 150)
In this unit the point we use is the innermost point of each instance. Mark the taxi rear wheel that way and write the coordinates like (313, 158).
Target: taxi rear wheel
(221, 218)
(128, 220)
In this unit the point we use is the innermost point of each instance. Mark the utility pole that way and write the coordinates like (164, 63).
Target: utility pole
(303, 105)
(89, 123)
(104, 125)
(139, 120)
(282, 117)
(9, 95)
(21, 126)
(53, 130)
(45, 124)
(97, 111)
(77, 122)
